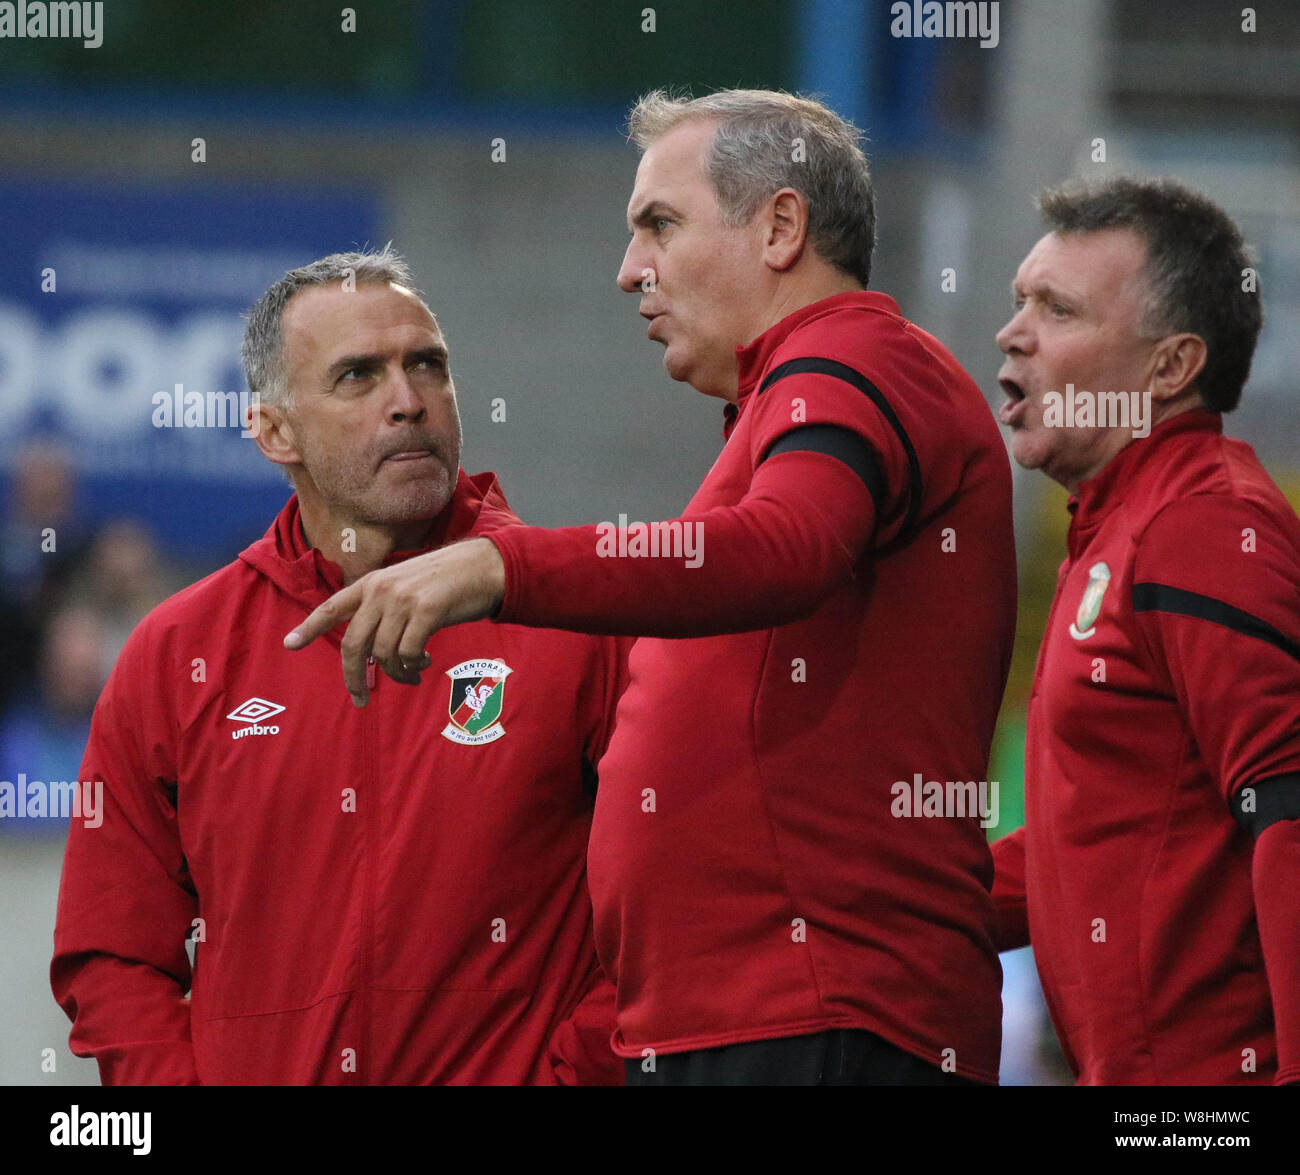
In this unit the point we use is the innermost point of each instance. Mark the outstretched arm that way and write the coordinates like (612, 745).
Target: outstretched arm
(774, 557)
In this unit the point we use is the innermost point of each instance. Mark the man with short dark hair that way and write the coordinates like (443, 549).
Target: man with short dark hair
(830, 621)
(389, 896)
(1155, 875)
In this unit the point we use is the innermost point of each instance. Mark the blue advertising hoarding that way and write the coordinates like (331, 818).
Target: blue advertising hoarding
(117, 304)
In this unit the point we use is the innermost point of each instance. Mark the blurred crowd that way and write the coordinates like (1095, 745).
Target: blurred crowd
(71, 596)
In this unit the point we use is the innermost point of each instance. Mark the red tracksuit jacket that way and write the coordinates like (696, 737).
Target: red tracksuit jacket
(752, 874)
(1167, 681)
(393, 895)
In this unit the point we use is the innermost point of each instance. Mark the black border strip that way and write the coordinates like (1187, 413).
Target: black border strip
(1276, 798)
(1160, 597)
(846, 446)
(842, 371)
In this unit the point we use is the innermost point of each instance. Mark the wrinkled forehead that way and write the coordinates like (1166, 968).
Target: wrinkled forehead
(329, 315)
(674, 167)
(1107, 263)
(1104, 269)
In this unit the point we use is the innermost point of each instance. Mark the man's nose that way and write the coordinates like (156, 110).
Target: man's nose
(634, 271)
(404, 402)
(1014, 336)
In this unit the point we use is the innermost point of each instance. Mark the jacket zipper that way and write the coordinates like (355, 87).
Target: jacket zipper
(370, 818)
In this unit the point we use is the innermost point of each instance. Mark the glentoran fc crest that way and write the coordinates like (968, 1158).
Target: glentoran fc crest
(474, 706)
(1090, 605)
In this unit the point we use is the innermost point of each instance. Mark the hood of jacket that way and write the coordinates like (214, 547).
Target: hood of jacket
(283, 555)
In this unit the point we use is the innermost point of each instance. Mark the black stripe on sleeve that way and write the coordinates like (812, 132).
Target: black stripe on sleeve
(813, 365)
(1258, 805)
(841, 443)
(1159, 597)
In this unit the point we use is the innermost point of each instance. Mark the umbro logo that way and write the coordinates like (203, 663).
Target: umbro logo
(252, 712)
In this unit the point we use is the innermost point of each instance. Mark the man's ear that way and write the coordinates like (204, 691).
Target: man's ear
(786, 224)
(272, 429)
(1177, 362)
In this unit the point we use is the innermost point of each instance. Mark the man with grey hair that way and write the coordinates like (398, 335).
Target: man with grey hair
(790, 876)
(1155, 874)
(394, 895)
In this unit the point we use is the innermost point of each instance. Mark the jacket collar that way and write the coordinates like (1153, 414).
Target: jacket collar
(752, 360)
(303, 573)
(1101, 493)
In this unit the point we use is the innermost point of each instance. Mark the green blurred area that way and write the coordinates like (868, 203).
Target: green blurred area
(295, 46)
(483, 50)
(695, 43)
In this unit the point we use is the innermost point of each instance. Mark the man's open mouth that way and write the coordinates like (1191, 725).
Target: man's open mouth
(1011, 413)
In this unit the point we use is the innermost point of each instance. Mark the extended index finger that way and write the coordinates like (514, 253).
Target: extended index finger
(339, 607)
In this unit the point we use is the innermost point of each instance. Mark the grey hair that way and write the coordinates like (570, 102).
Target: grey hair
(754, 154)
(1195, 264)
(263, 338)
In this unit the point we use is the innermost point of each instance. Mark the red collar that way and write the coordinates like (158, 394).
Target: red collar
(1102, 492)
(753, 359)
(282, 554)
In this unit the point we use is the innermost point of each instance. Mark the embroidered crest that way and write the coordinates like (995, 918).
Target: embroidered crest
(474, 704)
(1090, 605)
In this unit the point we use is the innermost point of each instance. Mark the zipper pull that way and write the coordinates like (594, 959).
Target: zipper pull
(371, 676)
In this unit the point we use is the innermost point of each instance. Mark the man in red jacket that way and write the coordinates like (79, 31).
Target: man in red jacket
(1156, 873)
(395, 895)
(790, 878)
